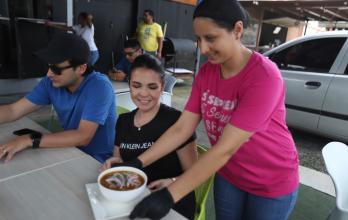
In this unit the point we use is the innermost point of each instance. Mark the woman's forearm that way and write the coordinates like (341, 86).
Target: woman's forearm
(171, 139)
(205, 167)
(188, 155)
(61, 27)
(210, 162)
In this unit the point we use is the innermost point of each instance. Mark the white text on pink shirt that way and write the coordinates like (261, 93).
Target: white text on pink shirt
(216, 113)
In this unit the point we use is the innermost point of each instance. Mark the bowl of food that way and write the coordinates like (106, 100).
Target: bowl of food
(122, 184)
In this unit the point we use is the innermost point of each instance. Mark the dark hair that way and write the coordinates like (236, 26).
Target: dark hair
(151, 13)
(86, 17)
(75, 63)
(225, 13)
(149, 62)
(131, 43)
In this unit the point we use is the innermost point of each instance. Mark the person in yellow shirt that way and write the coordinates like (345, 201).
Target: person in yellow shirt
(150, 35)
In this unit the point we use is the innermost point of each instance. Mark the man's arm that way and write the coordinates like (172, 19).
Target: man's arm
(60, 27)
(14, 111)
(117, 75)
(70, 138)
(160, 46)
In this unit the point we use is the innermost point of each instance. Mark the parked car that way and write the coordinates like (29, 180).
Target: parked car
(316, 75)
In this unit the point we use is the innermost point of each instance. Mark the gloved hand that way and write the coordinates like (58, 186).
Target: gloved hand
(131, 163)
(154, 206)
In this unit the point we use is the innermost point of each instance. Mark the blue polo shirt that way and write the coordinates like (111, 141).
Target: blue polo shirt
(125, 66)
(94, 101)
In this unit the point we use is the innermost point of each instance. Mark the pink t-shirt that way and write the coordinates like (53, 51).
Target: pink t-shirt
(252, 100)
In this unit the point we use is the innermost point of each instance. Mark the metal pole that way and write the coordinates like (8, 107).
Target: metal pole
(165, 29)
(69, 12)
(306, 25)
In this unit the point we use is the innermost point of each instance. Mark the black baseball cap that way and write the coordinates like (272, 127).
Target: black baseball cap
(65, 46)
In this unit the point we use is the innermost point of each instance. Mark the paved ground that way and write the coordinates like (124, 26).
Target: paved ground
(308, 145)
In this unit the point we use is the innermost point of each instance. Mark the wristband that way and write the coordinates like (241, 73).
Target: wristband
(36, 139)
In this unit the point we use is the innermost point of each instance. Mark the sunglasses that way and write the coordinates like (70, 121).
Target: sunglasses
(58, 70)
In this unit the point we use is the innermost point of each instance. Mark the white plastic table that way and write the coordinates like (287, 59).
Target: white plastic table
(41, 184)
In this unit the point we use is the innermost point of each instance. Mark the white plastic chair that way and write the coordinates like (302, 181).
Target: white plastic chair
(169, 82)
(336, 160)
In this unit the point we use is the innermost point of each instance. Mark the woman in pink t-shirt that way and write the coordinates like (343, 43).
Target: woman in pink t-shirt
(239, 95)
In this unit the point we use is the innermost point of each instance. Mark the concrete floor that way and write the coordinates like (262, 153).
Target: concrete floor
(180, 95)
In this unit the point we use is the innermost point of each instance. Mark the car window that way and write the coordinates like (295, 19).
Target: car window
(315, 55)
(346, 71)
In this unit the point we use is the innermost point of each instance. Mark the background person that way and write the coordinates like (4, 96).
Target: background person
(84, 29)
(83, 99)
(137, 130)
(150, 35)
(240, 96)
(121, 71)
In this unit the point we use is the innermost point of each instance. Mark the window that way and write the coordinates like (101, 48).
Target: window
(311, 56)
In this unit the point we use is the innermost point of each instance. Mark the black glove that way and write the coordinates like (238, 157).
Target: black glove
(154, 206)
(131, 163)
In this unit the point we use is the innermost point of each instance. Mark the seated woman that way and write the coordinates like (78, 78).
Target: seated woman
(136, 131)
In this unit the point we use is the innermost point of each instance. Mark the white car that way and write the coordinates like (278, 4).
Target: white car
(316, 75)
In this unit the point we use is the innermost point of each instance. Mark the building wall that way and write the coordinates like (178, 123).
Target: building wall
(3, 8)
(178, 17)
(294, 32)
(269, 38)
(113, 20)
(59, 10)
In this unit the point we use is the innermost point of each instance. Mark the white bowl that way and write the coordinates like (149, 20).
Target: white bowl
(122, 196)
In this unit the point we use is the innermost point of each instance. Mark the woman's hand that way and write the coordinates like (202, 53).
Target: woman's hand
(159, 184)
(109, 162)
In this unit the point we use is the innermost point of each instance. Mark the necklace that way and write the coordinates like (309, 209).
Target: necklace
(145, 119)
(137, 124)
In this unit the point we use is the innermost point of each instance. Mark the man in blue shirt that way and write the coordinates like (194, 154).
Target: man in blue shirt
(83, 99)
(131, 50)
